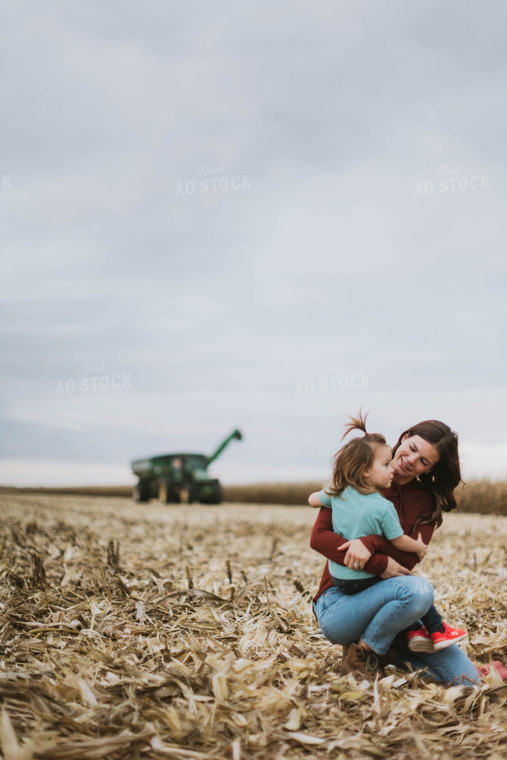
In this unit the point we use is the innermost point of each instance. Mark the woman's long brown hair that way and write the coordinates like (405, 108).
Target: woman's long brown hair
(445, 476)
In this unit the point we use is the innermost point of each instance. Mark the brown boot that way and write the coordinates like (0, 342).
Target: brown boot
(360, 662)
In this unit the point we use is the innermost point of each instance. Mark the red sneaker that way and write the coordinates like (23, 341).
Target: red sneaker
(420, 641)
(448, 637)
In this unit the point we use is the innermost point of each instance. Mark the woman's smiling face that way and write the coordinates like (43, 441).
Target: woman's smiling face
(414, 457)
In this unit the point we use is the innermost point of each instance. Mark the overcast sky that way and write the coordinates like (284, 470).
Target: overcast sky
(255, 215)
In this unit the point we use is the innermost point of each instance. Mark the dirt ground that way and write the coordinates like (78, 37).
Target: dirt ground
(132, 631)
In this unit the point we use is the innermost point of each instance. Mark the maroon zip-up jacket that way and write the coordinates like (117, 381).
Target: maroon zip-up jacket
(410, 501)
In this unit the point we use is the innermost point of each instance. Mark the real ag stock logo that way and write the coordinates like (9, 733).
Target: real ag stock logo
(332, 379)
(92, 378)
(213, 180)
(453, 179)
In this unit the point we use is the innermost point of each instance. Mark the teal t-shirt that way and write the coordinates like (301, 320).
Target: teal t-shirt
(356, 515)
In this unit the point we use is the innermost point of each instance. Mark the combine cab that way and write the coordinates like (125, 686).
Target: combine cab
(179, 478)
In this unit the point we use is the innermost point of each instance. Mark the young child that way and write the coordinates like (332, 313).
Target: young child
(361, 467)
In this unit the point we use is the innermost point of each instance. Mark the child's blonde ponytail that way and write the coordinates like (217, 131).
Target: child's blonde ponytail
(356, 423)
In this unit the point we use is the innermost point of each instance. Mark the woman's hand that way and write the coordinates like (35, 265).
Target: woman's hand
(393, 569)
(357, 554)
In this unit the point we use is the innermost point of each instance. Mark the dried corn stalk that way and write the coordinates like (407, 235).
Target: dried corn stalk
(186, 632)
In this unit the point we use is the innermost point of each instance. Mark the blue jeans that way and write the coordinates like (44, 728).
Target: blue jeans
(381, 612)
(432, 619)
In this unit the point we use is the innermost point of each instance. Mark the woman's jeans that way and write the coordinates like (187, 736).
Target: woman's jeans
(381, 612)
(432, 619)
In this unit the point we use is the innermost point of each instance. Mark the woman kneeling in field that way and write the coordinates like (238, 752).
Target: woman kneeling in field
(383, 621)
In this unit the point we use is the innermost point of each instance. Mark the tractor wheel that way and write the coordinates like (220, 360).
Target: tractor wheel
(165, 486)
(141, 492)
(216, 496)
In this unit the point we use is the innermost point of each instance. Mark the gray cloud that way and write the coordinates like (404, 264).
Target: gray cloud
(220, 201)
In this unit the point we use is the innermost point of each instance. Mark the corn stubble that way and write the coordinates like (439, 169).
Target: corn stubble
(186, 632)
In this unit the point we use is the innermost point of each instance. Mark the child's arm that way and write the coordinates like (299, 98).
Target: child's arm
(313, 500)
(407, 544)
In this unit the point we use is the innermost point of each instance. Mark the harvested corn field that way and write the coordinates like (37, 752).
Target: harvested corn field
(186, 632)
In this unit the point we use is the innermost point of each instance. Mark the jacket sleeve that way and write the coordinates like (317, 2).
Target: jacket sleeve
(327, 543)
(324, 540)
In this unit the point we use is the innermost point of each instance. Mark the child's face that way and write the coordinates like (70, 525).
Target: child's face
(380, 474)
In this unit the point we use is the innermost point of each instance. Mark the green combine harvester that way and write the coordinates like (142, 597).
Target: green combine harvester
(179, 478)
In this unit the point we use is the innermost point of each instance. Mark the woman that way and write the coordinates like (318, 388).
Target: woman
(426, 472)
